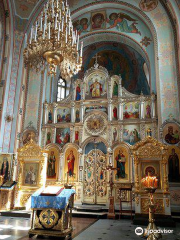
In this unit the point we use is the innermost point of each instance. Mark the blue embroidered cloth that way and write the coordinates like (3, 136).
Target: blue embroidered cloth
(56, 202)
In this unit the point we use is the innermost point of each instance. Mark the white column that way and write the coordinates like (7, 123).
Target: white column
(120, 108)
(74, 92)
(120, 87)
(72, 112)
(109, 90)
(153, 105)
(45, 113)
(109, 110)
(82, 112)
(142, 106)
(54, 112)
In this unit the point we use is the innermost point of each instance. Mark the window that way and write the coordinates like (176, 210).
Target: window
(61, 89)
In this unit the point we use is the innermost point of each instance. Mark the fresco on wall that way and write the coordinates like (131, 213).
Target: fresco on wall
(121, 157)
(82, 25)
(62, 136)
(131, 134)
(131, 110)
(122, 23)
(118, 59)
(98, 20)
(171, 133)
(149, 5)
(107, 19)
(63, 115)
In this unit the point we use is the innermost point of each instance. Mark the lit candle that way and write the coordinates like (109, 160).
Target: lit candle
(49, 30)
(56, 21)
(60, 14)
(81, 49)
(78, 42)
(66, 34)
(62, 24)
(44, 32)
(66, 17)
(41, 23)
(31, 35)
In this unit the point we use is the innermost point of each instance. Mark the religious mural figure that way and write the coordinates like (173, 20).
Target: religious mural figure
(120, 21)
(63, 115)
(50, 117)
(62, 136)
(76, 136)
(148, 111)
(51, 172)
(78, 93)
(81, 25)
(115, 134)
(5, 168)
(77, 116)
(115, 113)
(27, 139)
(101, 175)
(30, 176)
(172, 137)
(98, 21)
(173, 162)
(120, 158)
(48, 138)
(149, 132)
(96, 89)
(115, 89)
(71, 160)
(131, 135)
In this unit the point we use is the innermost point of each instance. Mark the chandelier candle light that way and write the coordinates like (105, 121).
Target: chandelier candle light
(53, 40)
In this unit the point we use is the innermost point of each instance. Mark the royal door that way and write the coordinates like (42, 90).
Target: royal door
(95, 177)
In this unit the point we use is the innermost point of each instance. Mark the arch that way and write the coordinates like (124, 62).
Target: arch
(68, 145)
(94, 140)
(118, 143)
(54, 145)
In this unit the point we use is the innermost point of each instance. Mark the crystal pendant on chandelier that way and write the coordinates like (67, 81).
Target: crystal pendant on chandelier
(53, 40)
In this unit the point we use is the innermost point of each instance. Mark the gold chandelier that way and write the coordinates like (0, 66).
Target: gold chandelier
(53, 40)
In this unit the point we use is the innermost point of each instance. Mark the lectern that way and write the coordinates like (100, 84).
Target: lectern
(52, 215)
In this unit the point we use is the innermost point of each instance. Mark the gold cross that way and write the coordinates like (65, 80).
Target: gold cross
(96, 58)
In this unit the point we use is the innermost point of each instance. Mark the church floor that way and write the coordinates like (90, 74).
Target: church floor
(84, 229)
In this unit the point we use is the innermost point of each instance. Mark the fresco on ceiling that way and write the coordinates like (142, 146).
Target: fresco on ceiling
(24, 7)
(98, 20)
(122, 23)
(149, 5)
(115, 20)
(118, 59)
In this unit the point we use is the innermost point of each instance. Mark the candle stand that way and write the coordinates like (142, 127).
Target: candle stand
(150, 184)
